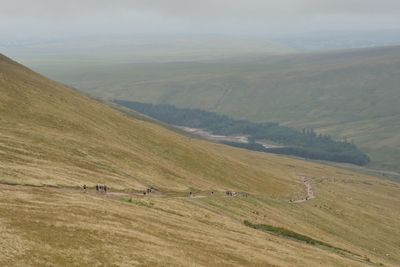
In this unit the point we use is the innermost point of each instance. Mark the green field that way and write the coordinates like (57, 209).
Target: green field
(352, 94)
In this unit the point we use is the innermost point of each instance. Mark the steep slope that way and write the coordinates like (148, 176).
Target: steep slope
(352, 94)
(76, 140)
(54, 139)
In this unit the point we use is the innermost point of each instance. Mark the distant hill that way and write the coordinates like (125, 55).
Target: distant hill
(351, 94)
(287, 212)
(98, 50)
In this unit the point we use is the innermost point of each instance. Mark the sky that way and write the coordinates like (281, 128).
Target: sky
(48, 18)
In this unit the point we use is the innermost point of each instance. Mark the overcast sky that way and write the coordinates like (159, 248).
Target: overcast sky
(43, 18)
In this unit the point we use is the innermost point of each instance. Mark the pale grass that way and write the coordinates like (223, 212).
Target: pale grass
(53, 140)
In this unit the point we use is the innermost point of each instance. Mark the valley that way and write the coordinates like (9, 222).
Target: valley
(54, 140)
(267, 137)
(216, 133)
(349, 94)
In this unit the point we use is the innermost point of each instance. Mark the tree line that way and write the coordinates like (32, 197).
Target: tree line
(305, 143)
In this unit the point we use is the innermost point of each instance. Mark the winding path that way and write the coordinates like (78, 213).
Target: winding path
(309, 191)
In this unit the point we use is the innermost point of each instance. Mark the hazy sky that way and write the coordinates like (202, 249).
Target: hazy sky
(44, 18)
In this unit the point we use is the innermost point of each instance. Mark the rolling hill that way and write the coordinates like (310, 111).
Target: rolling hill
(98, 50)
(351, 94)
(53, 140)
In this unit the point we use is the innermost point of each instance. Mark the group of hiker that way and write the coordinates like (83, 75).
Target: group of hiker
(235, 194)
(149, 190)
(102, 188)
(230, 194)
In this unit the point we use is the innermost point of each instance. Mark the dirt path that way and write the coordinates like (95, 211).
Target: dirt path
(119, 194)
(309, 191)
(189, 197)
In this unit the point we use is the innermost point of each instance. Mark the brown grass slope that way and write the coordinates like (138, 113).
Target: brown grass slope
(60, 137)
(52, 135)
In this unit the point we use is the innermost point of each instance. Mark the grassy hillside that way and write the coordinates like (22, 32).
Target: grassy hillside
(76, 140)
(351, 94)
(53, 140)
